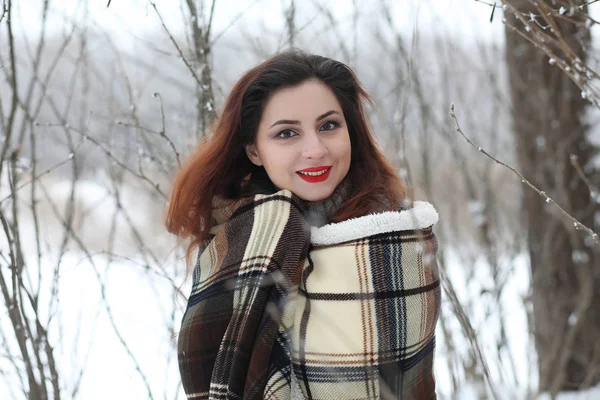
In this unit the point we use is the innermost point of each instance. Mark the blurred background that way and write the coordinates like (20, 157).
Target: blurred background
(100, 102)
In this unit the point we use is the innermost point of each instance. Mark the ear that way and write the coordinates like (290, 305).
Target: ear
(252, 154)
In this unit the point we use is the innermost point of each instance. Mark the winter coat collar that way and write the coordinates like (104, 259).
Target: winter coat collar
(421, 216)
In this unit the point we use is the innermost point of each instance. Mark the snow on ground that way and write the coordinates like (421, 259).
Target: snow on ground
(143, 309)
(589, 394)
(86, 343)
(510, 377)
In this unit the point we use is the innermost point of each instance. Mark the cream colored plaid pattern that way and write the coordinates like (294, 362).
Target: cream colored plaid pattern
(365, 304)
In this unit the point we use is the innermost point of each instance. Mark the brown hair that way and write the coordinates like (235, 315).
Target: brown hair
(219, 164)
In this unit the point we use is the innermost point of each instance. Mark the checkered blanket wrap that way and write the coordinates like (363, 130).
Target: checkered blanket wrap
(276, 312)
(365, 318)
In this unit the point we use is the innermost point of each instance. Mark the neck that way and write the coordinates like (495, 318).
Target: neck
(318, 213)
(321, 212)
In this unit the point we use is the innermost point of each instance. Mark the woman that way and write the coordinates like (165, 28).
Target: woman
(311, 280)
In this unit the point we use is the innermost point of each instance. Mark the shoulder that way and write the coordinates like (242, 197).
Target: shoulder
(421, 216)
(283, 201)
(246, 212)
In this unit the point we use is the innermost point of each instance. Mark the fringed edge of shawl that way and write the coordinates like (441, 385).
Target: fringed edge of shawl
(421, 216)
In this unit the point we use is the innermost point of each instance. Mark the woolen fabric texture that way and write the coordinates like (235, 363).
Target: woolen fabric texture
(281, 309)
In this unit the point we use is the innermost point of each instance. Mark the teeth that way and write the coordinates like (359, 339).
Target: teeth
(314, 173)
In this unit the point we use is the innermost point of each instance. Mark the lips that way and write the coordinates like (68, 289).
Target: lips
(315, 169)
(318, 178)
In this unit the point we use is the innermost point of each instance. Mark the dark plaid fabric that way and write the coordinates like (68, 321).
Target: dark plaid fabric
(272, 315)
(229, 329)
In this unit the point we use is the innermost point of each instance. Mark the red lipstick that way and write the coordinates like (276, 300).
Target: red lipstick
(315, 178)
(315, 169)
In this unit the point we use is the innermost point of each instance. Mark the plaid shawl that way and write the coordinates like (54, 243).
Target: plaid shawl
(280, 310)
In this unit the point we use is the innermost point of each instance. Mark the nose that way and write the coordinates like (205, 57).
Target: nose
(314, 148)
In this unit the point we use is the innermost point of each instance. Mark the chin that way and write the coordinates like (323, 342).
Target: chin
(314, 197)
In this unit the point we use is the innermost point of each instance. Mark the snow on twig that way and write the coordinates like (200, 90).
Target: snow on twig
(576, 223)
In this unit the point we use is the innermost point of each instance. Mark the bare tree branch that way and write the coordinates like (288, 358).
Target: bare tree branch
(4, 9)
(576, 223)
(181, 55)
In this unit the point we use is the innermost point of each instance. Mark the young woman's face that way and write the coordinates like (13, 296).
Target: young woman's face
(303, 141)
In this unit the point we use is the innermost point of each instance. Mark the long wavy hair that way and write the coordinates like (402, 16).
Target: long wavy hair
(219, 165)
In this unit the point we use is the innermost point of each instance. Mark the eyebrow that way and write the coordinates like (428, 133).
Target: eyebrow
(296, 122)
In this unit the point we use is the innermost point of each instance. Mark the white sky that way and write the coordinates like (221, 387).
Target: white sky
(459, 18)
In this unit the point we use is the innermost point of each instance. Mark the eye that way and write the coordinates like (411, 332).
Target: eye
(286, 133)
(330, 125)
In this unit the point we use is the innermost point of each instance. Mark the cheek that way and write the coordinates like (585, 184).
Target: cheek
(345, 151)
(277, 162)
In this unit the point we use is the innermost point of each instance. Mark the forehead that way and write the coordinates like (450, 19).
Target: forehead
(309, 99)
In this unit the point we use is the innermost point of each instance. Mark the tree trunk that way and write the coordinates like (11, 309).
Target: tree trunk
(548, 112)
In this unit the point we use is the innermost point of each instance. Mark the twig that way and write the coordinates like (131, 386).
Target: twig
(232, 22)
(108, 152)
(103, 294)
(585, 301)
(205, 99)
(576, 223)
(159, 271)
(14, 307)
(38, 176)
(4, 10)
(463, 319)
(575, 164)
(494, 4)
(487, 3)
(210, 20)
(8, 132)
(187, 64)
(574, 68)
(334, 24)
(163, 131)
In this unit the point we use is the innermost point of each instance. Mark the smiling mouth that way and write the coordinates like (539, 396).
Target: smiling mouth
(314, 173)
(314, 177)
